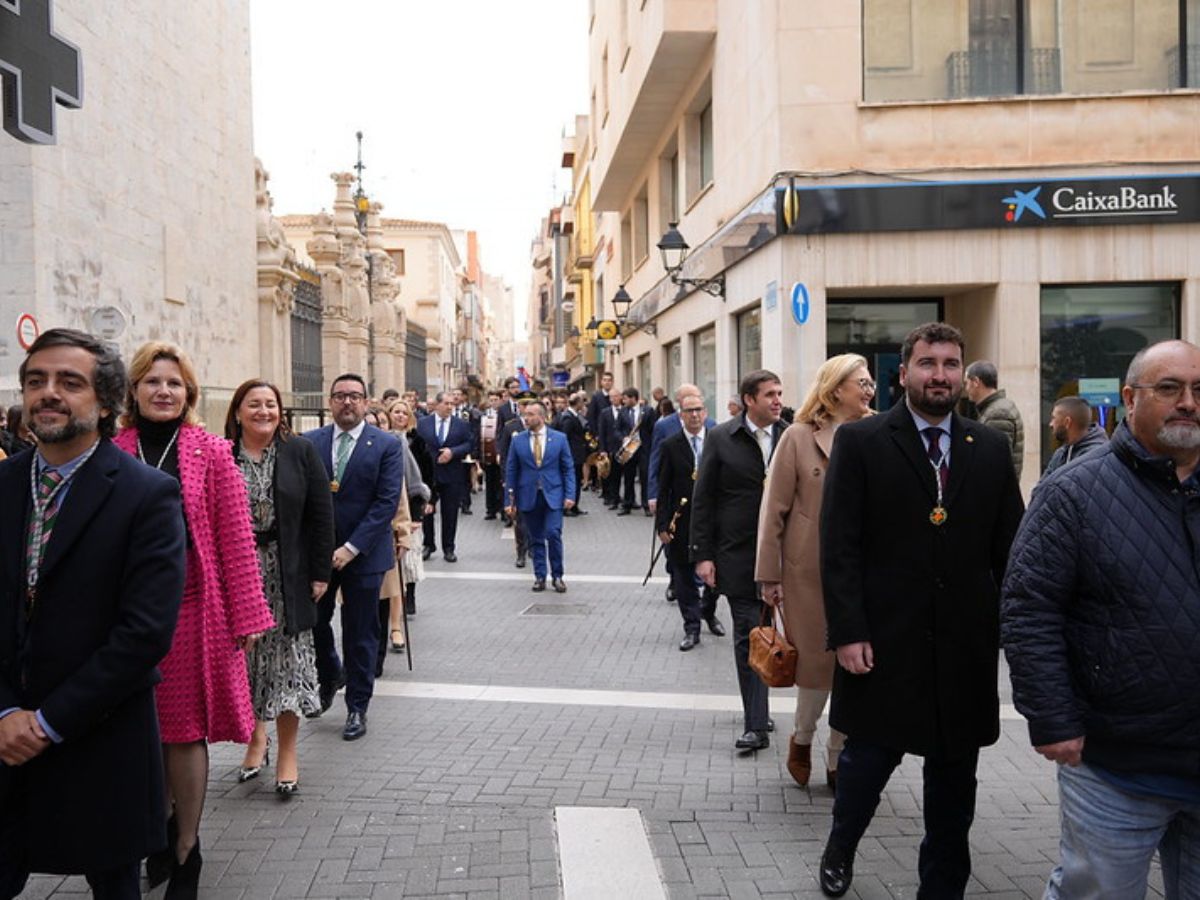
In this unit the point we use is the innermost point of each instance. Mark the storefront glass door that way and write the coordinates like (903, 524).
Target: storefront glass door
(876, 329)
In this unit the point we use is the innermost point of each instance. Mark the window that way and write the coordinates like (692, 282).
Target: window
(398, 259)
(704, 366)
(706, 145)
(604, 86)
(643, 384)
(674, 356)
(749, 342)
(627, 371)
(1092, 332)
(626, 247)
(641, 227)
(668, 187)
(698, 143)
(943, 49)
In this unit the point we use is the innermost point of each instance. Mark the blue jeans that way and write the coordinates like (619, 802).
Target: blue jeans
(1109, 837)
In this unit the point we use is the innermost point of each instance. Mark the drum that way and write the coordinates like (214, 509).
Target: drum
(629, 448)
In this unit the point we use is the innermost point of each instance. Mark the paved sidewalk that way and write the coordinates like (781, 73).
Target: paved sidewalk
(453, 792)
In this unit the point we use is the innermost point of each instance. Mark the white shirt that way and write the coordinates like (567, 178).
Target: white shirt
(764, 437)
(355, 433)
(943, 439)
(696, 441)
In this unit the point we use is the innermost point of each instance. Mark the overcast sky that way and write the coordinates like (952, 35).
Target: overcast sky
(462, 104)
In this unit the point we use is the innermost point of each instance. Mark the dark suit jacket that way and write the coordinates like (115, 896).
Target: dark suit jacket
(304, 518)
(645, 425)
(725, 505)
(424, 459)
(608, 432)
(675, 485)
(925, 596)
(365, 502)
(507, 412)
(576, 431)
(109, 594)
(460, 441)
(596, 405)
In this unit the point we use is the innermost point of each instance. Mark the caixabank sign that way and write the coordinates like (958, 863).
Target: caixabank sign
(950, 205)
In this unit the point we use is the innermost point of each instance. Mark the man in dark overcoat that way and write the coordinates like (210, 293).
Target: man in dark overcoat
(919, 510)
(724, 530)
(91, 577)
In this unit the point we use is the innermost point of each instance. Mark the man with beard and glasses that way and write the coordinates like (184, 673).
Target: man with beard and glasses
(92, 556)
(918, 512)
(1101, 626)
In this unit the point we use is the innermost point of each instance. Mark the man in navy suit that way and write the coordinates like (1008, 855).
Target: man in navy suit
(637, 418)
(540, 480)
(366, 474)
(449, 439)
(83, 625)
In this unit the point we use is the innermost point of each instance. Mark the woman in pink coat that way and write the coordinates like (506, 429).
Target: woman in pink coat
(204, 695)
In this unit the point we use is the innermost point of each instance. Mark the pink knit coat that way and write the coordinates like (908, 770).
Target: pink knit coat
(205, 691)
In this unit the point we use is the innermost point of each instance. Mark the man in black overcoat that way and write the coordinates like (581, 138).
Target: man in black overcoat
(724, 529)
(636, 417)
(608, 432)
(600, 401)
(83, 626)
(679, 462)
(572, 424)
(919, 510)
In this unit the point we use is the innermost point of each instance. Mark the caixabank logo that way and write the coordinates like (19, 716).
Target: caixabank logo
(1069, 201)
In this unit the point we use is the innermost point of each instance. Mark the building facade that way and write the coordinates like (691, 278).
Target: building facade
(140, 221)
(1024, 170)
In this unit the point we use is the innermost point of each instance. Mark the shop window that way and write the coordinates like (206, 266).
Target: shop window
(641, 227)
(749, 342)
(626, 247)
(627, 374)
(1089, 335)
(934, 49)
(704, 366)
(643, 384)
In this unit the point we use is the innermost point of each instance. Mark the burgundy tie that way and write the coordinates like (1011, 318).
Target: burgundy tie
(933, 436)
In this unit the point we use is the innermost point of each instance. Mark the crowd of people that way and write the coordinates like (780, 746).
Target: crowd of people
(163, 588)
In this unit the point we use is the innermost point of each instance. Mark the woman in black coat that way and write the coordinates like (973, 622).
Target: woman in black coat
(292, 511)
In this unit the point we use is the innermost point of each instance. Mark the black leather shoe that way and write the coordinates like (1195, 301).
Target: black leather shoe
(490, 517)
(624, 511)
(836, 872)
(753, 740)
(426, 552)
(560, 586)
(771, 725)
(646, 512)
(579, 512)
(539, 584)
(356, 726)
(689, 641)
(670, 594)
(160, 865)
(467, 512)
(449, 557)
(329, 691)
(520, 563)
(715, 627)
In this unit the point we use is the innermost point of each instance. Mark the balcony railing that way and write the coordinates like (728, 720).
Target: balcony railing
(993, 72)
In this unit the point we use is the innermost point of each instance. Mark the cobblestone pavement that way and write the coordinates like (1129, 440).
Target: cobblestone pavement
(453, 797)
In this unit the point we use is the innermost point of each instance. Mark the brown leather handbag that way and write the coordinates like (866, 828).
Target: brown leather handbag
(771, 656)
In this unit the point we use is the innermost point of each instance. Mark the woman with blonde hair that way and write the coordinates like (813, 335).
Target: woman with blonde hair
(420, 498)
(788, 564)
(204, 695)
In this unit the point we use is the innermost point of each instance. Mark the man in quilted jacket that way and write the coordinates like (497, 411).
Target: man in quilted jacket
(995, 409)
(1101, 627)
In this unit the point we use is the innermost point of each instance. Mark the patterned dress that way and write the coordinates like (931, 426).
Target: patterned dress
(283, 667)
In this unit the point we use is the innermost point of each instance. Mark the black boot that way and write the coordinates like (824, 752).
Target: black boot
(410, 599)
(160, 865)
(185, 880)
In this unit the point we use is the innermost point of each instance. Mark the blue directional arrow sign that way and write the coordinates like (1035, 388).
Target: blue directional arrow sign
(800, 304)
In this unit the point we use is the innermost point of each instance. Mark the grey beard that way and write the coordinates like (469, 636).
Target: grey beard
(74, 427)
(1179, 437)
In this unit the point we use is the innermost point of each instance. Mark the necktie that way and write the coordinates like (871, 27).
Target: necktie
(442, 431)
(696, 448)
(763, 444)
(933, 435)
(345, 442)
(537, 449)
(41, 523)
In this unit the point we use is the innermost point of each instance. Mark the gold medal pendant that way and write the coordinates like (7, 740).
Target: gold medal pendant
(938, 516)
(333, 486)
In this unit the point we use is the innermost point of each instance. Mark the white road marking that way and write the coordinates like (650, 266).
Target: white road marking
(782, 705)
(516, 576)
(604, 853)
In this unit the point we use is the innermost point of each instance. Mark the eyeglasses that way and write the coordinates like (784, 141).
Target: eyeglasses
(866, 384)
(1170, 391)
(347, 397)
(692, 410)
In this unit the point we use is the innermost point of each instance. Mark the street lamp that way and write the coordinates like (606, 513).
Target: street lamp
(621, 303)
(674, 250)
